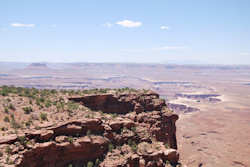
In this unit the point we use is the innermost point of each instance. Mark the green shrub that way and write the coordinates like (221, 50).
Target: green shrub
(4, 91)
(88, 132)
(132, 145)
(7, 159)
(28, 123)
(70, 140)
(30, 101)
(42, 100)
(72, 106)
(90, 164)
(6, 110)
(6, 119)
(12, 107)
(47, 103)
(54, 103)
(22, 140)
(27, 92)
(114, 115)
(27, 110)
(14, 124)
(133, 129)
(43, 116)
(53, 91)
(111, 147)
(8, 150)
(166, 145)
(38, 102)
(97, 162)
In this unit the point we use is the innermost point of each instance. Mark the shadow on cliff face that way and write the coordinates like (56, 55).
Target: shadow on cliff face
(122, 103)
(106, 103)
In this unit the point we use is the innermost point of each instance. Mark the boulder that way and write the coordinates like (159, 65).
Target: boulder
(171, 155)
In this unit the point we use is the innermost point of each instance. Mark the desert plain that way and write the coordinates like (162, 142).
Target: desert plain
(213, 101)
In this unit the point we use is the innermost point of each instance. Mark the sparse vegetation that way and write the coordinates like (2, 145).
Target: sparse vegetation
(12, 107)
(6, 119)
(13, 123)
(114, 115)
(43, 116)
(110, 147)
(6, 110)
(133, 129)
(48, 104)
(27, 110)
(70, 140)
(97, 162)
(126, 89)
(22, 140)
(28, 123)
(88, 133)
(30, 102)
(72, 106)
(53, 106)
(96, 91)
(8, 150)
(166, 145)
(132, 145)
(90, 164)
(5, 91)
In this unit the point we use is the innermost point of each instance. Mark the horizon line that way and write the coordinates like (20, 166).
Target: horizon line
(146, 63)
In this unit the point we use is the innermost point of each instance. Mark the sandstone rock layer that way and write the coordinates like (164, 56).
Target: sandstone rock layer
(139, 132)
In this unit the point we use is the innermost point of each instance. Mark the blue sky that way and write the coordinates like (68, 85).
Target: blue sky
(141, 31)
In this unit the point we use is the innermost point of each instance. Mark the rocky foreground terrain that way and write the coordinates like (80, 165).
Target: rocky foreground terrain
(100, 127)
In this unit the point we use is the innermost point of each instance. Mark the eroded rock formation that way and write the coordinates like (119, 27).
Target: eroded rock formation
(122, 103)
(140, 132)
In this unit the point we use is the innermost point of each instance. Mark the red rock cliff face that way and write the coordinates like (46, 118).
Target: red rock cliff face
(122, 103)
(140, 133)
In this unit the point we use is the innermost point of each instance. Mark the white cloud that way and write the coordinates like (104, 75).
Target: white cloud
(171, 48)
(164, 28)
(245, 54)
(129, 23)
(22, 25)
(107, 24)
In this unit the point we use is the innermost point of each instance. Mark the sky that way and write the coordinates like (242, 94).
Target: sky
(125, 31)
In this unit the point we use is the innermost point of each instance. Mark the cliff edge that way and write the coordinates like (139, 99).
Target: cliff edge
(111, 129)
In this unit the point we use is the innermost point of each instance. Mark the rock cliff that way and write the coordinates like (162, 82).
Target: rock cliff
(133, 129)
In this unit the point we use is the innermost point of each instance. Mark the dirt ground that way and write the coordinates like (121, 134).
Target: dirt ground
(218, 135)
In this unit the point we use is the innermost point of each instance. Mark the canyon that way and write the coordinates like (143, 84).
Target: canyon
(128, 128)
(212, 101)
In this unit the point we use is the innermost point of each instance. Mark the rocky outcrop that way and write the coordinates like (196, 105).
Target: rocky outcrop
(181, 108)
(146, 155)
(140, 131)
(122, 103)
(52, 154)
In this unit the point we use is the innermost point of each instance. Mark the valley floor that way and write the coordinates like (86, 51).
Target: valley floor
(218, 135)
